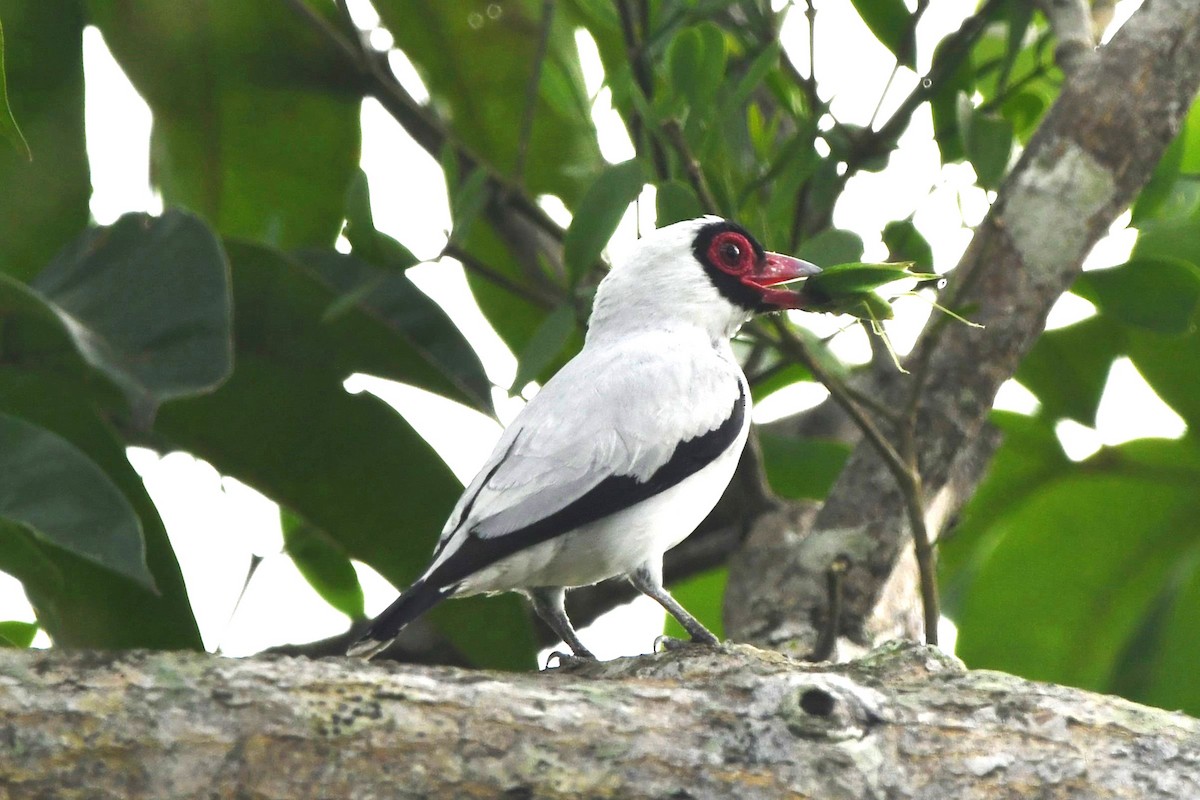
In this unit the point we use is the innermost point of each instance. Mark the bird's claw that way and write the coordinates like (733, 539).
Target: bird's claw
(666, 644)
(567, 660)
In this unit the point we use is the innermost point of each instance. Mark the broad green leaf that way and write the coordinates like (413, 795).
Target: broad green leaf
(477, 63)
(802, 469)
(703, 595)
(1170, 679)
(256, 118)
(1119, 534)
(892, 25)
(1029, 458)
(676, 201)
(1068, 367)
(8, 125)
(79, 603)
(347, 464)
(17, 634)
(547, 343)
(1157, 295)
(43, 202)
(597, 215)
(57, 492)
(147, 303)
(1148, 669)
(418, 323)
(324, 564)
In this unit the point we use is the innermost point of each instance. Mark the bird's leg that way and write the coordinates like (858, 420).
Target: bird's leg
(550, 604)
(647, 579)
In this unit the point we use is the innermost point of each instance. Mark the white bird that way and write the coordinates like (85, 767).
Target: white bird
(627, 448)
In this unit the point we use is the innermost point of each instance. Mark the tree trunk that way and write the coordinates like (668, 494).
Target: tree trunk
(1096, 148)
(906, 721)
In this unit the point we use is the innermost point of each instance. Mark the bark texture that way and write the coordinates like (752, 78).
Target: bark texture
(1093, 152)
(907, 721)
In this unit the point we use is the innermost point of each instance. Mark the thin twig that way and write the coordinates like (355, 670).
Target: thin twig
(473, 264)
(644, 79)
(531, 93)
(902, 464)
(794, 347)
(425, 129)
(691, 166)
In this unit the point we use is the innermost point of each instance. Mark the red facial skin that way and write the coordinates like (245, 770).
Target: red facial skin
(730, 252)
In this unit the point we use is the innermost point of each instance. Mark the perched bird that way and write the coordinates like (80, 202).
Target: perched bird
(627, 448)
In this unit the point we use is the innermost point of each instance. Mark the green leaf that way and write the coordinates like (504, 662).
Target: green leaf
(1041, 621)
(1169, 671)
(347, 464)
(256, 117)
(1068, 368)
(1121, 533)
(17, 634)
(65, 588)
(696, 63)
(802, 469)
(1170, 365)
(1158, 295)
(477, 66)
(547, 343)
(596, 216)
(855, 277)
(757, 70)
(8, 125)
(676, 201)
(892, 25)
(147, 303)
(703, 595)
(1029, 458)
(906, 243)
(66, 500)
(324, 564)
(989, 143)
(419, 324)
(43, 202)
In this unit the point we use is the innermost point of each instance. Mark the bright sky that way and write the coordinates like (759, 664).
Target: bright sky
(216, 524)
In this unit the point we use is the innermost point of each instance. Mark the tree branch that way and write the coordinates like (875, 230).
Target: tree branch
(714, 723)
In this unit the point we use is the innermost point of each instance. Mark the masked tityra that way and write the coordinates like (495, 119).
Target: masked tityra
(625, 451)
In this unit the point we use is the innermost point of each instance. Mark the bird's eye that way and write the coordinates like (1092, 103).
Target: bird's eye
(731, 254)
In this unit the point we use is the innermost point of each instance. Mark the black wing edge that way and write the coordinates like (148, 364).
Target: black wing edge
(614, 493)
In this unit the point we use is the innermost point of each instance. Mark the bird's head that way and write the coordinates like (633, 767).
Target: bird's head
(709, 271)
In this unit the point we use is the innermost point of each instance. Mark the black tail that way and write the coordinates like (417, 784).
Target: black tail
(412, 603)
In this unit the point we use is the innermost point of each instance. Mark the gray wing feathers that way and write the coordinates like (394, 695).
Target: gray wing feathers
(621, 412)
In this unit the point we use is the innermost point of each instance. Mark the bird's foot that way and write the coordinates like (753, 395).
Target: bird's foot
(666, 644)
(568, 660)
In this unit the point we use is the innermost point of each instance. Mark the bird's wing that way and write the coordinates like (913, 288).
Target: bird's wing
(613, 427)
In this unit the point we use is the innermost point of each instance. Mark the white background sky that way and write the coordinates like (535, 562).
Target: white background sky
(216, 524)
